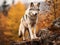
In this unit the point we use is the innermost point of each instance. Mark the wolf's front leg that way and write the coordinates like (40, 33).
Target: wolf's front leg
(23, 33)
(30, 31)
(20, 31)
(35, 32)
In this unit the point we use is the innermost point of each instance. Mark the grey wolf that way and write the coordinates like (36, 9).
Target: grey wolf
(29, 20)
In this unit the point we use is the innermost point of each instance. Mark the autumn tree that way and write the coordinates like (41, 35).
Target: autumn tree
(9, 24)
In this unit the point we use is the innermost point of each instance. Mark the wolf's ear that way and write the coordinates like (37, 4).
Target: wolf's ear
(31, 4)
(38, 4)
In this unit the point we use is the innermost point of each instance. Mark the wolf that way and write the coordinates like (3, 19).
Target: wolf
(29, 20)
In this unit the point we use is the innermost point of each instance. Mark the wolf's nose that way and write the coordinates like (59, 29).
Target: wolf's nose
(35, 13)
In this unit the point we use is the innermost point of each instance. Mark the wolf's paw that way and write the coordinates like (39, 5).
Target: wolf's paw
(24, 39)
(36, 37)
(32, 38)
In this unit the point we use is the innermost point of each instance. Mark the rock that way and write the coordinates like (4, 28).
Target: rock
(56, 24)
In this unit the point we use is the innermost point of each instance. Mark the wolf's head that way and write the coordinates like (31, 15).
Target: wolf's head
(34, 9)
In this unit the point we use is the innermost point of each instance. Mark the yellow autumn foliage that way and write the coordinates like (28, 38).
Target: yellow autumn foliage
(9, 24)
(14, 15)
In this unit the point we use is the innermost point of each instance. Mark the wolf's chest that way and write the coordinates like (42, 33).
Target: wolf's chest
(32, 21)
(33, 18)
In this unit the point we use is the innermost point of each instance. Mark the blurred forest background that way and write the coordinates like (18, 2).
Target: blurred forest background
(9, 24)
